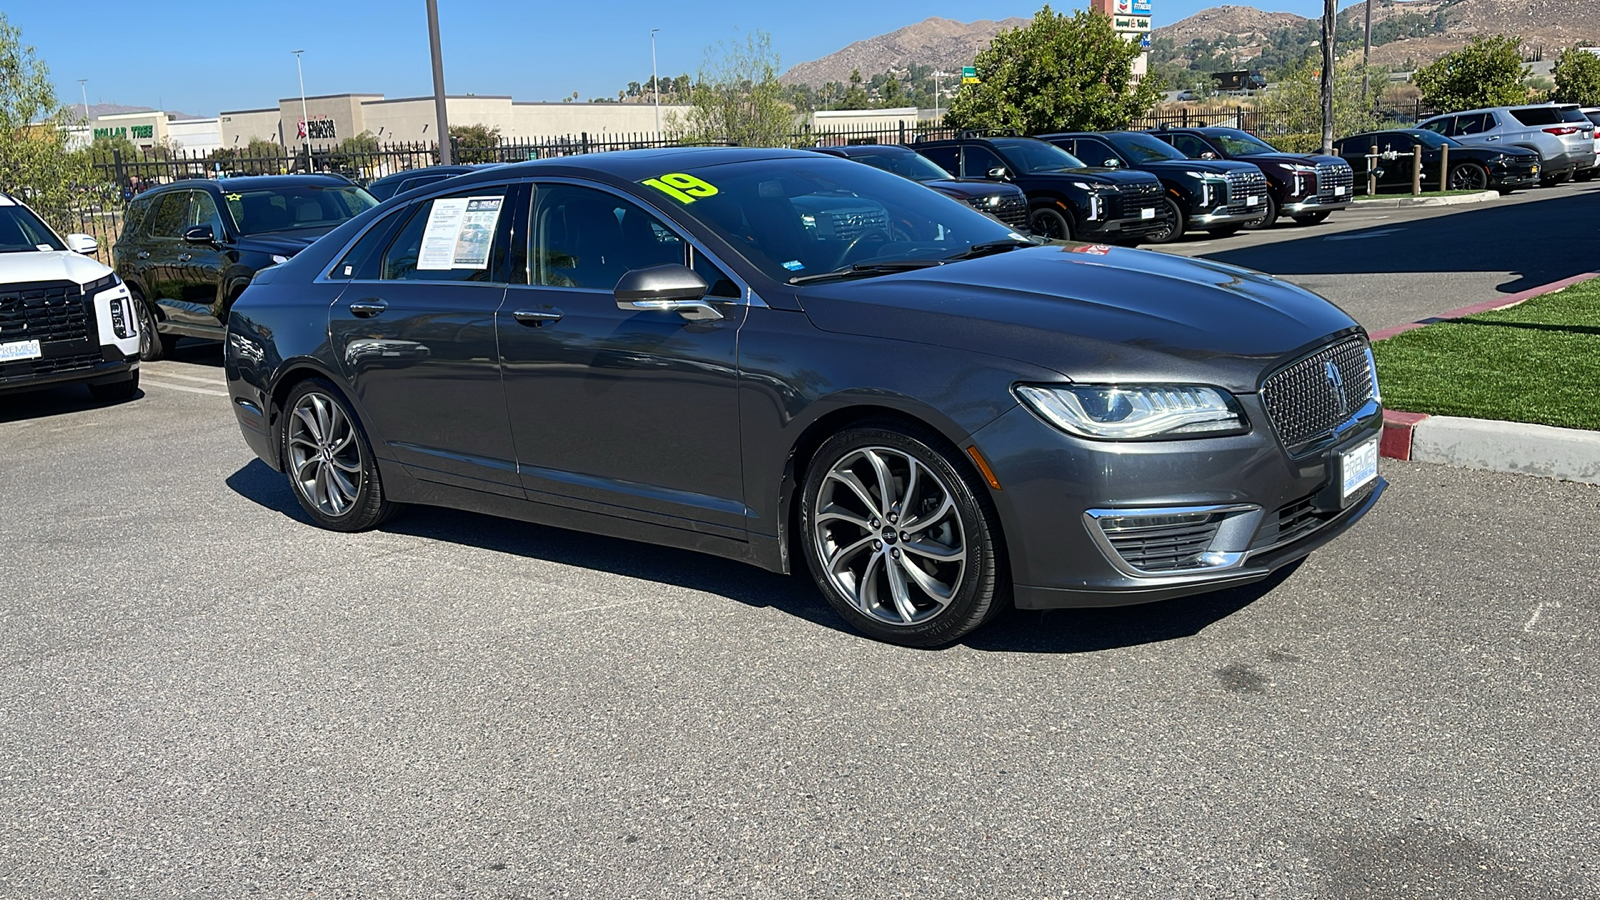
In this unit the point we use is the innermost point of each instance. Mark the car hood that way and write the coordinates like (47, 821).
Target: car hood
(1092, 313)
(51, 265)
(1305, 159)
(1211, 166)
(284, 243)
(967, 189)
(1119, 177)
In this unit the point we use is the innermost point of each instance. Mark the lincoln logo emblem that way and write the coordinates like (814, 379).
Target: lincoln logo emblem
(1336, 381)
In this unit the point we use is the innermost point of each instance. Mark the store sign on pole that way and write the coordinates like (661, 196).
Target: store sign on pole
(1130, 23)
(969, 75)
(1140, 7)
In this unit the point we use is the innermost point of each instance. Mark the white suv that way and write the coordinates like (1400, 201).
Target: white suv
(63, 316)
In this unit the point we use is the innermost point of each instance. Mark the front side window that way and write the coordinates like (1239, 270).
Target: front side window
(459, 238)
(295, 208)
(21, 231)
(1473, 124)
(1097, 152)
(172, 216)
(943, 157)
(1191, 146)
(977, 161)
(586, 238)
(1143, 148)
(203, 211)
(1030, 157)
(1242, 143)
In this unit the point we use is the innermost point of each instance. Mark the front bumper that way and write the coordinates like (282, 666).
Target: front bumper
(103, 365)
(1130, 227)
(1220, 217)
(1314, 204)
(1053, 485)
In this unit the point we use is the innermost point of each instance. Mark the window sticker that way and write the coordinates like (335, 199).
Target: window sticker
(682, 188)
(794, 265)
(235, 198)
(459, 233)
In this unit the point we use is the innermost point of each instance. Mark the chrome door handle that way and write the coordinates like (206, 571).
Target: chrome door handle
(144, 254)
(537, 317)
(184, 257)
(368, 308)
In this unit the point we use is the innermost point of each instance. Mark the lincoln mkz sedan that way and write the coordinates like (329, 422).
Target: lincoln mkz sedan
(796, 360)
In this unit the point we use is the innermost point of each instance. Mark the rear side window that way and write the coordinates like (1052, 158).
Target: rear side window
(456, 238)
(1537, 115)
(1095, 152)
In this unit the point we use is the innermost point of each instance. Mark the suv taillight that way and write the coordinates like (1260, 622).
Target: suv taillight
(1569, 129)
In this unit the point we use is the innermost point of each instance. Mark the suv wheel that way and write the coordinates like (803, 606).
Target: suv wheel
(1173, 229)
(329, 462)
(901, 543)
(1051, 223)
(1468, 177)
(1269, 216)
(153, 345)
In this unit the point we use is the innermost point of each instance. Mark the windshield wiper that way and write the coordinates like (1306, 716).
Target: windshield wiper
(990, 247)
(862, 269)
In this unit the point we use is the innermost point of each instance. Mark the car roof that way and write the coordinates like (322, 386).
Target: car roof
(849, 150)
(252, 183)
(452, 169)
(630, 165)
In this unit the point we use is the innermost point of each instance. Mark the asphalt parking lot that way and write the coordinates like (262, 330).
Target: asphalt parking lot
(204, 695)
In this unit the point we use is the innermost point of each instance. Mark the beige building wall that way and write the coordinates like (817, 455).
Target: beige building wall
(195, 135)
(241, 127)
(144, 129)
(877, 119)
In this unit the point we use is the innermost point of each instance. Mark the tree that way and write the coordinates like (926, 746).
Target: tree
(1296, 102)
(1577, 74)
(475, 143)
(35, 163)
(1487, 72)
(1058, 73)
(737, 97)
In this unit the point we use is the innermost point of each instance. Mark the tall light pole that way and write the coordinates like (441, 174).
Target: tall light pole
(655, 80)
(305, 118)
(936, 114)
(88, 132)
(442, 121)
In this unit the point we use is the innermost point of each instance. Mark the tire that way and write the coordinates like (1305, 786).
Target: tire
(1051, 223)
(328, 461)
(1269, 216)
(116, 391)
(858, 554)
(1505, 191)
(1467, 177)
(1553, 180)
(1316, 218)
(1175, 228)
(153, 345)
(1224, 231)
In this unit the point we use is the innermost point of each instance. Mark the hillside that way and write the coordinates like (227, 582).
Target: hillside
(944, 43)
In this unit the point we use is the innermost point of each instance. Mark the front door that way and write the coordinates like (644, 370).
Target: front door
(199, 267)
(626, 413)
(415, 335)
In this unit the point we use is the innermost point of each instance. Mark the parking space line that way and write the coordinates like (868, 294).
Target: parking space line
(167, 373)
(147, 382)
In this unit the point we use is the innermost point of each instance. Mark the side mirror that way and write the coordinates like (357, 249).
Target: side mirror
(1208, 155)
(82, 243)
(998, 173)
(1111, 163)
(199, 234)
(666, 288)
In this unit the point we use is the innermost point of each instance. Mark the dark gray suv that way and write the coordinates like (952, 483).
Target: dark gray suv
(796, 360)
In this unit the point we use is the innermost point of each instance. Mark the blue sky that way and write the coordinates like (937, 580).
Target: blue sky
(205, 57)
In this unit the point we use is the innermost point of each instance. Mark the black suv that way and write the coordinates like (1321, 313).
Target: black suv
(1303, 186)
(1218, 196)
(1005, 202)
(1066, 199)
(188, 249)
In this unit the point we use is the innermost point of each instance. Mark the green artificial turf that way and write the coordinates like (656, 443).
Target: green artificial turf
(1535, 362)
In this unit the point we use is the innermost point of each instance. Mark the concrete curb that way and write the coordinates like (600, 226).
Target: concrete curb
(1569, 454)
(1408, 201)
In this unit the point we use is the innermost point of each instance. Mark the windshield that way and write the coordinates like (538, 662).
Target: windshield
(298, 207)
(793, 218)
(906, 164)
(1241, 143)
(1144, 148)
(1431, 140)
(22, 232)
(1033, 157)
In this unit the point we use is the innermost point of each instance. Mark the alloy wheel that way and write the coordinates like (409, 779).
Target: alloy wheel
(889, 535)
(1468, 177)
(324, 455)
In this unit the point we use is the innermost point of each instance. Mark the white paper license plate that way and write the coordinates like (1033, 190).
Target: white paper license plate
(1357, 466)
(19, 350)
(1147, 213)
(1251, 201)
(1338, 190)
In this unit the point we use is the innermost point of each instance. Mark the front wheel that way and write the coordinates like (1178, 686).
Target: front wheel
(329, 462)
(153, 345)
(901, 543)
(1269, 216)
(1173, 229)
(1316, 218)
(1468, 177)
(1051, 223)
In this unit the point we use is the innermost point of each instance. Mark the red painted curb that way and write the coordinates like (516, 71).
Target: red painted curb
(1498, 303)
(1395, 443)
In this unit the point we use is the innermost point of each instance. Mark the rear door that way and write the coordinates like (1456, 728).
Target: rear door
(158, 258)
(414, 332)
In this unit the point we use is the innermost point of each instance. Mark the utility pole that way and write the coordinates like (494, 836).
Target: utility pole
(305, 118)
(1366, 52)
(655, 81)
(88, 132)
(443, 122)
(1329, 27)
(936, 114)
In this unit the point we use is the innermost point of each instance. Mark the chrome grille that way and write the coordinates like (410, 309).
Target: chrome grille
(1331, 175)
(1133, 199)
(1012, 210)
(1162, 543)
(1312, 396)
(44, 312)
(1244, 185)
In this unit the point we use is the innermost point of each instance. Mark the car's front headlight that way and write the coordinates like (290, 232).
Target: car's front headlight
(1122, 412)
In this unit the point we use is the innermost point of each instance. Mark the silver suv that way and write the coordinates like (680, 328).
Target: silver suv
(1566, 148)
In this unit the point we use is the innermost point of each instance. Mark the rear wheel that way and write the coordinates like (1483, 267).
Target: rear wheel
(1468, 177)
(1049, 222)
(1174, 228)
(153, 345)
(116, 391)
(901, 542)
(329, 462)
(1269, 215)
